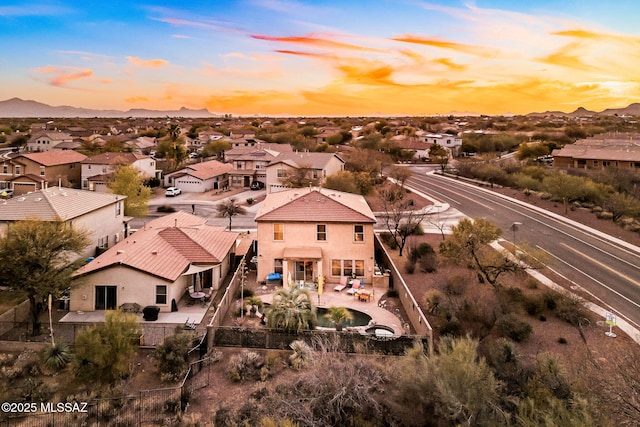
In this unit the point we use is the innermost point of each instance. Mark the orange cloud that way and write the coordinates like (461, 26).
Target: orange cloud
(449, 63)
(567, 57)
(135, 99)
(367, 74)
(62, 76)
(458, 47)
(147, 63)
(316, 41)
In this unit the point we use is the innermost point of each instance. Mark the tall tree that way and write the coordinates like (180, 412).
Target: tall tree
(103, 351)
(299, 177)
(40, 257)
(439, 155)
(216, 148)
(228, 209)
(128, 182)
(292, 310)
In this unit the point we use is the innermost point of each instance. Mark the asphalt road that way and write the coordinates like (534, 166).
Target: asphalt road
(609, 270)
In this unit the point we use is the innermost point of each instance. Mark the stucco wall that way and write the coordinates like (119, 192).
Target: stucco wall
(103, 222)
(132, 286)
(339, 245)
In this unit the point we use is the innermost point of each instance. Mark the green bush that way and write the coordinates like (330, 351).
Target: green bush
(244, 366)
(250, 201)
(56, 357)
(172, 356)
(512, 327)
(455, 285)
(572, 310)
(534, 305)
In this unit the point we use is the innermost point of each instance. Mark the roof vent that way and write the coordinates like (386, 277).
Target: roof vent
(154, 252)
(120, 251)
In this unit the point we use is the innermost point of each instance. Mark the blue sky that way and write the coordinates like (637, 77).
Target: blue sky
(280, 57)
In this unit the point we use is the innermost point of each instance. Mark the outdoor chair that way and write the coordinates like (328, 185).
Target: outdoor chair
(342, 285)
(354, 288)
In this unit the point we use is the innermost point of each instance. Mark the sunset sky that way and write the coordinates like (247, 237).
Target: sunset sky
(323, 58)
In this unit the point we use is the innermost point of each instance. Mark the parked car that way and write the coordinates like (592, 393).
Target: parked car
(6, 192)
(172, 191)
(257, 185)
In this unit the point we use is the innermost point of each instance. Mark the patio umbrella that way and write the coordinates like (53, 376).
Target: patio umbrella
(320, 286)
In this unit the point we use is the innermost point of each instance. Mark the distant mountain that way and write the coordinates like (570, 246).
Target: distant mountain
(631, 110)
(16, 107)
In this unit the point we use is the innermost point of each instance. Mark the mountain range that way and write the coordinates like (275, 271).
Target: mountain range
(16, 107)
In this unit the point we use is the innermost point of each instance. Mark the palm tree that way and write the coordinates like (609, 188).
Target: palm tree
(228, 209)
(338, 315)
(255, 304)
(292, 310)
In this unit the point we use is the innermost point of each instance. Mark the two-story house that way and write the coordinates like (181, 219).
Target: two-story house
(200, 177)
(250, 163)
(97, 171)
(35, 171)
(304, 233)
(101, 215)
(48, 140)
(450, 142)
(156, 265)
(316, 167)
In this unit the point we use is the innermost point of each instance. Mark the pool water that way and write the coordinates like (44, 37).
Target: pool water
(359, 319)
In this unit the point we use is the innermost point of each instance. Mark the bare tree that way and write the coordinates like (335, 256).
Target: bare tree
(228, 209)
(401, 220)
(299, 177)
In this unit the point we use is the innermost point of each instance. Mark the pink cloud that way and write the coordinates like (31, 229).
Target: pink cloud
(147, 63)
(61, 76)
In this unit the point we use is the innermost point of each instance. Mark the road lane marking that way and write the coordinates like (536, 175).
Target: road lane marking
(603, 265)
(590, 277)
(463, 196)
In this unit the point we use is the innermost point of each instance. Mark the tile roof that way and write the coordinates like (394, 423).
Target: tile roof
(55, 203)
(317, 205)
(54, 157)
(204, 170)
(167, 246)
(616, 152)
(114, 159)
(306, 159)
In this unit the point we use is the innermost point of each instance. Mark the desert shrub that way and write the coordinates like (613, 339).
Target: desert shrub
(550, 300)
(244, 293)
(56, 357)
(512, 327)
(433, 301)
(245, 366)
(301, 356)
(387, 239)
(451, 327)
(531, 284)
(572, 310)
(410, 267)
(542, 318)
(172, 356)
(165, 209)
(478, 318)
(562, 340)
(250, 201)
(534, 304)
(455, 285)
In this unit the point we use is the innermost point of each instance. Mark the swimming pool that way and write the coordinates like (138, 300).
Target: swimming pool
(359, 318)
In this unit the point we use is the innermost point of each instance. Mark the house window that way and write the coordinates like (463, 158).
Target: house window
(314, 174)
(277, 265)
(88, 166)
(347, 267)
(17, 170)
(104, 169)
(278, 231)
(358, 233)
(5, 169)
(118, 208)
(321, 232)
(282, 173)
(41, 172)
(595, 163)
(161, 294)
(336, 267)
(85, 184)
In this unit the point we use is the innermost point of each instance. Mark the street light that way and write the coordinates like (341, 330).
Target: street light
(514, 228)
